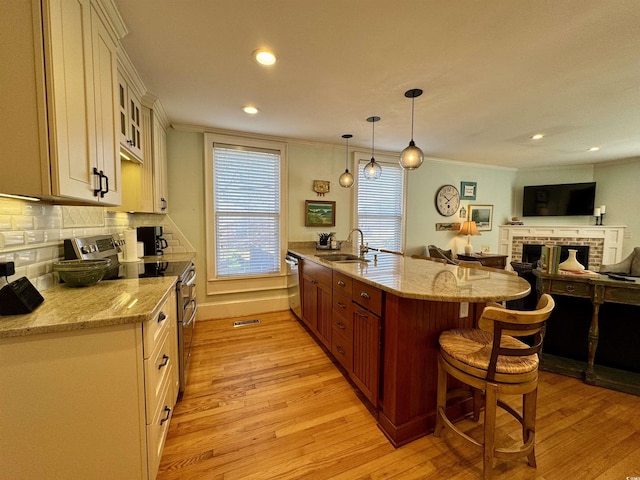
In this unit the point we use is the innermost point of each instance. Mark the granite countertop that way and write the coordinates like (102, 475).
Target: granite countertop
(109, 302)
(423, 279)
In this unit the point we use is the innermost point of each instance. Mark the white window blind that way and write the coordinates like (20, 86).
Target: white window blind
(246, 210)
(380, 207)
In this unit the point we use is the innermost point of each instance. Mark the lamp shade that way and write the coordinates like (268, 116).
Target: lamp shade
(469, 228)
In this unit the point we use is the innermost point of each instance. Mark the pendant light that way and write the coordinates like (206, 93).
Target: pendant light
(346, 179)
(372, 170)
(412, 157)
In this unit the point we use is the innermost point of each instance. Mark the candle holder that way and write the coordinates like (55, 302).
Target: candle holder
(598, 219)
(602, 219)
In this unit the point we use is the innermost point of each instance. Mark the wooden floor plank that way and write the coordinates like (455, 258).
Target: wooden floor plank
(265, 402)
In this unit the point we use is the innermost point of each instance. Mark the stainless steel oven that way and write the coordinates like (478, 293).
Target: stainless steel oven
(105, 246)
(187, 309)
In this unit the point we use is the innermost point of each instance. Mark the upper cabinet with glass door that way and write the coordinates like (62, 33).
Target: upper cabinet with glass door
(130, 119)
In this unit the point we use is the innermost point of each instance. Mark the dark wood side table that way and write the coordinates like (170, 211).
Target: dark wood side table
(598, 290)
(494, 260)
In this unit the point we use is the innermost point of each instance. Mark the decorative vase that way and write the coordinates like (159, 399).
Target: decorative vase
(571, 263)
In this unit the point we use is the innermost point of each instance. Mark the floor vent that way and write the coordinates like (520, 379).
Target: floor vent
(242, 323)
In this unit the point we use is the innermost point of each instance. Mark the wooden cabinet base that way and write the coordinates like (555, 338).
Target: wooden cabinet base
(410, 363)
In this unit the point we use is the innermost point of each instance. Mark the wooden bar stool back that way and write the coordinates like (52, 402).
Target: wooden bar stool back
(491, 360)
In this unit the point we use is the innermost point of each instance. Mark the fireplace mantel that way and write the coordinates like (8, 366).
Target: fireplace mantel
(605, 242)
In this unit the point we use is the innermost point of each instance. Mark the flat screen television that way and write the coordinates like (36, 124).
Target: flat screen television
(564, 199)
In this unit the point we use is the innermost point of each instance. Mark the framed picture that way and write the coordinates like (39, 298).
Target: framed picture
(440, 227)
(319, 213)
(468, 190)
(482, 215)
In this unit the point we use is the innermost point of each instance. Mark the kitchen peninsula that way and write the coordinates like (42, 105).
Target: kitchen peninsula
(381, 320)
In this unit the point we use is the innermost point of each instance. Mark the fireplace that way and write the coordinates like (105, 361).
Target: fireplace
(531, 253)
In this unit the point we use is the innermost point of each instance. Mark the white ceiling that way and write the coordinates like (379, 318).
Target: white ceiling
(494, 72)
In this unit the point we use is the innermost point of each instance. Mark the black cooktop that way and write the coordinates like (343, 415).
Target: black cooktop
(146, 269)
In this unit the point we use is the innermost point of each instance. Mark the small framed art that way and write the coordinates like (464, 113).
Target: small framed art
(468, 190)
(482, 215)
(319, 213)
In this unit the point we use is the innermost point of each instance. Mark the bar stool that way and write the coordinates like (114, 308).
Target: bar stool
(491, 360)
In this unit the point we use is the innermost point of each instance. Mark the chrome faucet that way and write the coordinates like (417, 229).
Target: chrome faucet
(363, 248)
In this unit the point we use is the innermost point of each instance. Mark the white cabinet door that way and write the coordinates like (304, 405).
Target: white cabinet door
(105, 80)
(160, 197)
(130, 119)
(71, 100)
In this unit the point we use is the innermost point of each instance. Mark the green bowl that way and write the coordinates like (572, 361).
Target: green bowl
(81, 273)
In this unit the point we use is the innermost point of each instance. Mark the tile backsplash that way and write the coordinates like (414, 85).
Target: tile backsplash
(32, 234)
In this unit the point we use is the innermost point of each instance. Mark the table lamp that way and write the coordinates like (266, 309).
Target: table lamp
(468, 229)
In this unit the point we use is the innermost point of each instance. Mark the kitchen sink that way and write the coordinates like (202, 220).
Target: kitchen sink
(342, 258)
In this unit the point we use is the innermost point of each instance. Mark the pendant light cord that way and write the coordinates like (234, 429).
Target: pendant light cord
(413, 99)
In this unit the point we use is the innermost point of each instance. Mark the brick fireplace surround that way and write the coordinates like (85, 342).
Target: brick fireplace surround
(604, 242)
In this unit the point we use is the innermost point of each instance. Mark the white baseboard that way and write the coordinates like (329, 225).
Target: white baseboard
(242, 308)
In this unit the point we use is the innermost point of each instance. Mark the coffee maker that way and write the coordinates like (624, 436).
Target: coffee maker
(151, 238)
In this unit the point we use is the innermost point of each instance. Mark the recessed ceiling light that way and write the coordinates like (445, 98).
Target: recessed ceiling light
(264, 57)
(594, 149)
(537, 136)
(251, 110)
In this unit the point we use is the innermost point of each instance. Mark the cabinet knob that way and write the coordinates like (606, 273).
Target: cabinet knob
(570, 288)
(340, 350)
(341, 283)
(162, 317)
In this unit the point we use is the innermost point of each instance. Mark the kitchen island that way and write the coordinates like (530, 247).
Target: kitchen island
(89, 381)
(381, 320)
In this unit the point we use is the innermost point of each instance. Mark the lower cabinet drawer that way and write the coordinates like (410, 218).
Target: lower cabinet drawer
(367, 296)
(157, 430)
(157, 369)
(342, 349)
(564, 287)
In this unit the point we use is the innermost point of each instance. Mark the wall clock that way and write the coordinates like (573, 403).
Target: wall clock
(447, 200)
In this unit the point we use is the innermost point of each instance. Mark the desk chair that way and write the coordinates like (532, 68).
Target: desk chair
(491, 360)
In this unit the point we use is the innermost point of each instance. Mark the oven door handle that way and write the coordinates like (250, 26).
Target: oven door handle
(193, 314)
(191, 277)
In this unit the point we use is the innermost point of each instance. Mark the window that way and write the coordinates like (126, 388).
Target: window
(380, 206)
(245, 208)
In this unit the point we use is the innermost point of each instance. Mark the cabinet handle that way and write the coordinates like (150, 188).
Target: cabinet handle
(165, 361)
(365, 295)
(340, 350)
(99, 174)
(314, 282)
(341, 305)
(167, 415)
(360, 314)
(341, 283)
(161, 317)
(570, 288)
(164, 203)
(102, 192)
(340, 325)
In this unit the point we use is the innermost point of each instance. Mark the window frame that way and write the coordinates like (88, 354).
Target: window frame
(384, 160)
(249, 282)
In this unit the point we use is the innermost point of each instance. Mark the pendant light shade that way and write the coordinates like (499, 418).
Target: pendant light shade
(346, 179)
(412, 157)
(372, 170)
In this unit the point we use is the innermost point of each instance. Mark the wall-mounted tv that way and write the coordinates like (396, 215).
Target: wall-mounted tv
(561, 199)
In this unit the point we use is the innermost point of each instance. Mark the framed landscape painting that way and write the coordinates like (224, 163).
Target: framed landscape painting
(319, 213)
(482, 215)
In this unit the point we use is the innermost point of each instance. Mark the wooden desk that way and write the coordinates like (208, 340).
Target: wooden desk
(598, 290)
(494, 260)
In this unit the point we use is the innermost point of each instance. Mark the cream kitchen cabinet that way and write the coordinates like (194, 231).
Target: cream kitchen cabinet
(59, 77)
(130, 118)
(89, 403)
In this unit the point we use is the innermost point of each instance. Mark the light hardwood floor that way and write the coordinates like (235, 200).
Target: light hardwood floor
(265, 402)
